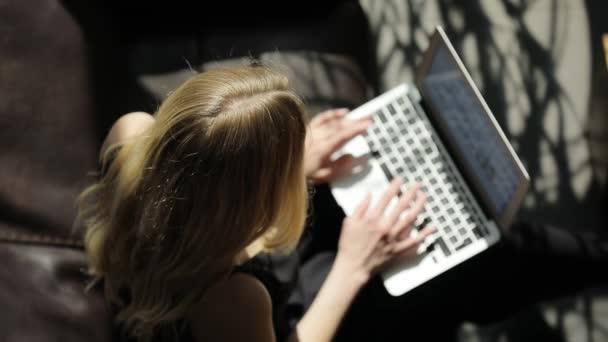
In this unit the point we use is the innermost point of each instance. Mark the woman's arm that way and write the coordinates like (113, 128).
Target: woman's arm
(240, 308)
(370, 238)
(323, 318)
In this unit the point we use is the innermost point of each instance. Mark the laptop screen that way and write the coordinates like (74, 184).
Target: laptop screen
(470, 132)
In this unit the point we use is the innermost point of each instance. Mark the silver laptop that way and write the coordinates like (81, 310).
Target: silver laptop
(441, 134)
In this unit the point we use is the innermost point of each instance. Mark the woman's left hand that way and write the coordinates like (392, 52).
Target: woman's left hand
(327, 132)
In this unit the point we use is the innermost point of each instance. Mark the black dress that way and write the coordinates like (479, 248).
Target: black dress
(181, 331)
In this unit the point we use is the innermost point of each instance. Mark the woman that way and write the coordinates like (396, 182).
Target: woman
(218, 176)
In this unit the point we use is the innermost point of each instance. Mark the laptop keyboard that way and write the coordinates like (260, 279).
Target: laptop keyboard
(403, 144)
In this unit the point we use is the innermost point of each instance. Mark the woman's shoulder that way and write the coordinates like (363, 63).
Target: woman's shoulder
(245, 291)
(237, 309)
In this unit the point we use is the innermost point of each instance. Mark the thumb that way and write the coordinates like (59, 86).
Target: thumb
(343, 164)
(339, 167)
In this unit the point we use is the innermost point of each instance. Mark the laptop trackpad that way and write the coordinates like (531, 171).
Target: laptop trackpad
(366, 178)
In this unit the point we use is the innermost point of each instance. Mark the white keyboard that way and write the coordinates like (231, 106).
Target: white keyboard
(404, 144)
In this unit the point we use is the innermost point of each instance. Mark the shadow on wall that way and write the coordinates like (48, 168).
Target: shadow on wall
(540, 67)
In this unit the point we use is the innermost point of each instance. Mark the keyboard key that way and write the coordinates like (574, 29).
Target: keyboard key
(423, 224)
(464, 243)
(477, 232)
(382, 117)
(444, 247)
(430, 247)
(386, 171)
(482, 229)
(391, 109)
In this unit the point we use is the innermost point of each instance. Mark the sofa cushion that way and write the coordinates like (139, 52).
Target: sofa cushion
(47, 137)
(42, 291)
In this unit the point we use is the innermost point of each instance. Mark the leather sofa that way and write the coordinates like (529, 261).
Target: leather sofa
(68, 69)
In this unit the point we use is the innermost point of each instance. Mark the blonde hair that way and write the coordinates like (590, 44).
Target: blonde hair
(221, 167)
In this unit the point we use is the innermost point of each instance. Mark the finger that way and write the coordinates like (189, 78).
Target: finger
(403, 245)
(365, 118)
(386, 197)
(369, 117)
(409, 252)
(341, 166)
(327, 116)
(362, 207)
(335, 169)
(333, 129)
(345, 123)
(405, 222)
(404, 202)
(347, 132)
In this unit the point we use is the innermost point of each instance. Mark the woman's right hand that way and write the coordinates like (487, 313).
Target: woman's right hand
(371, 237)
